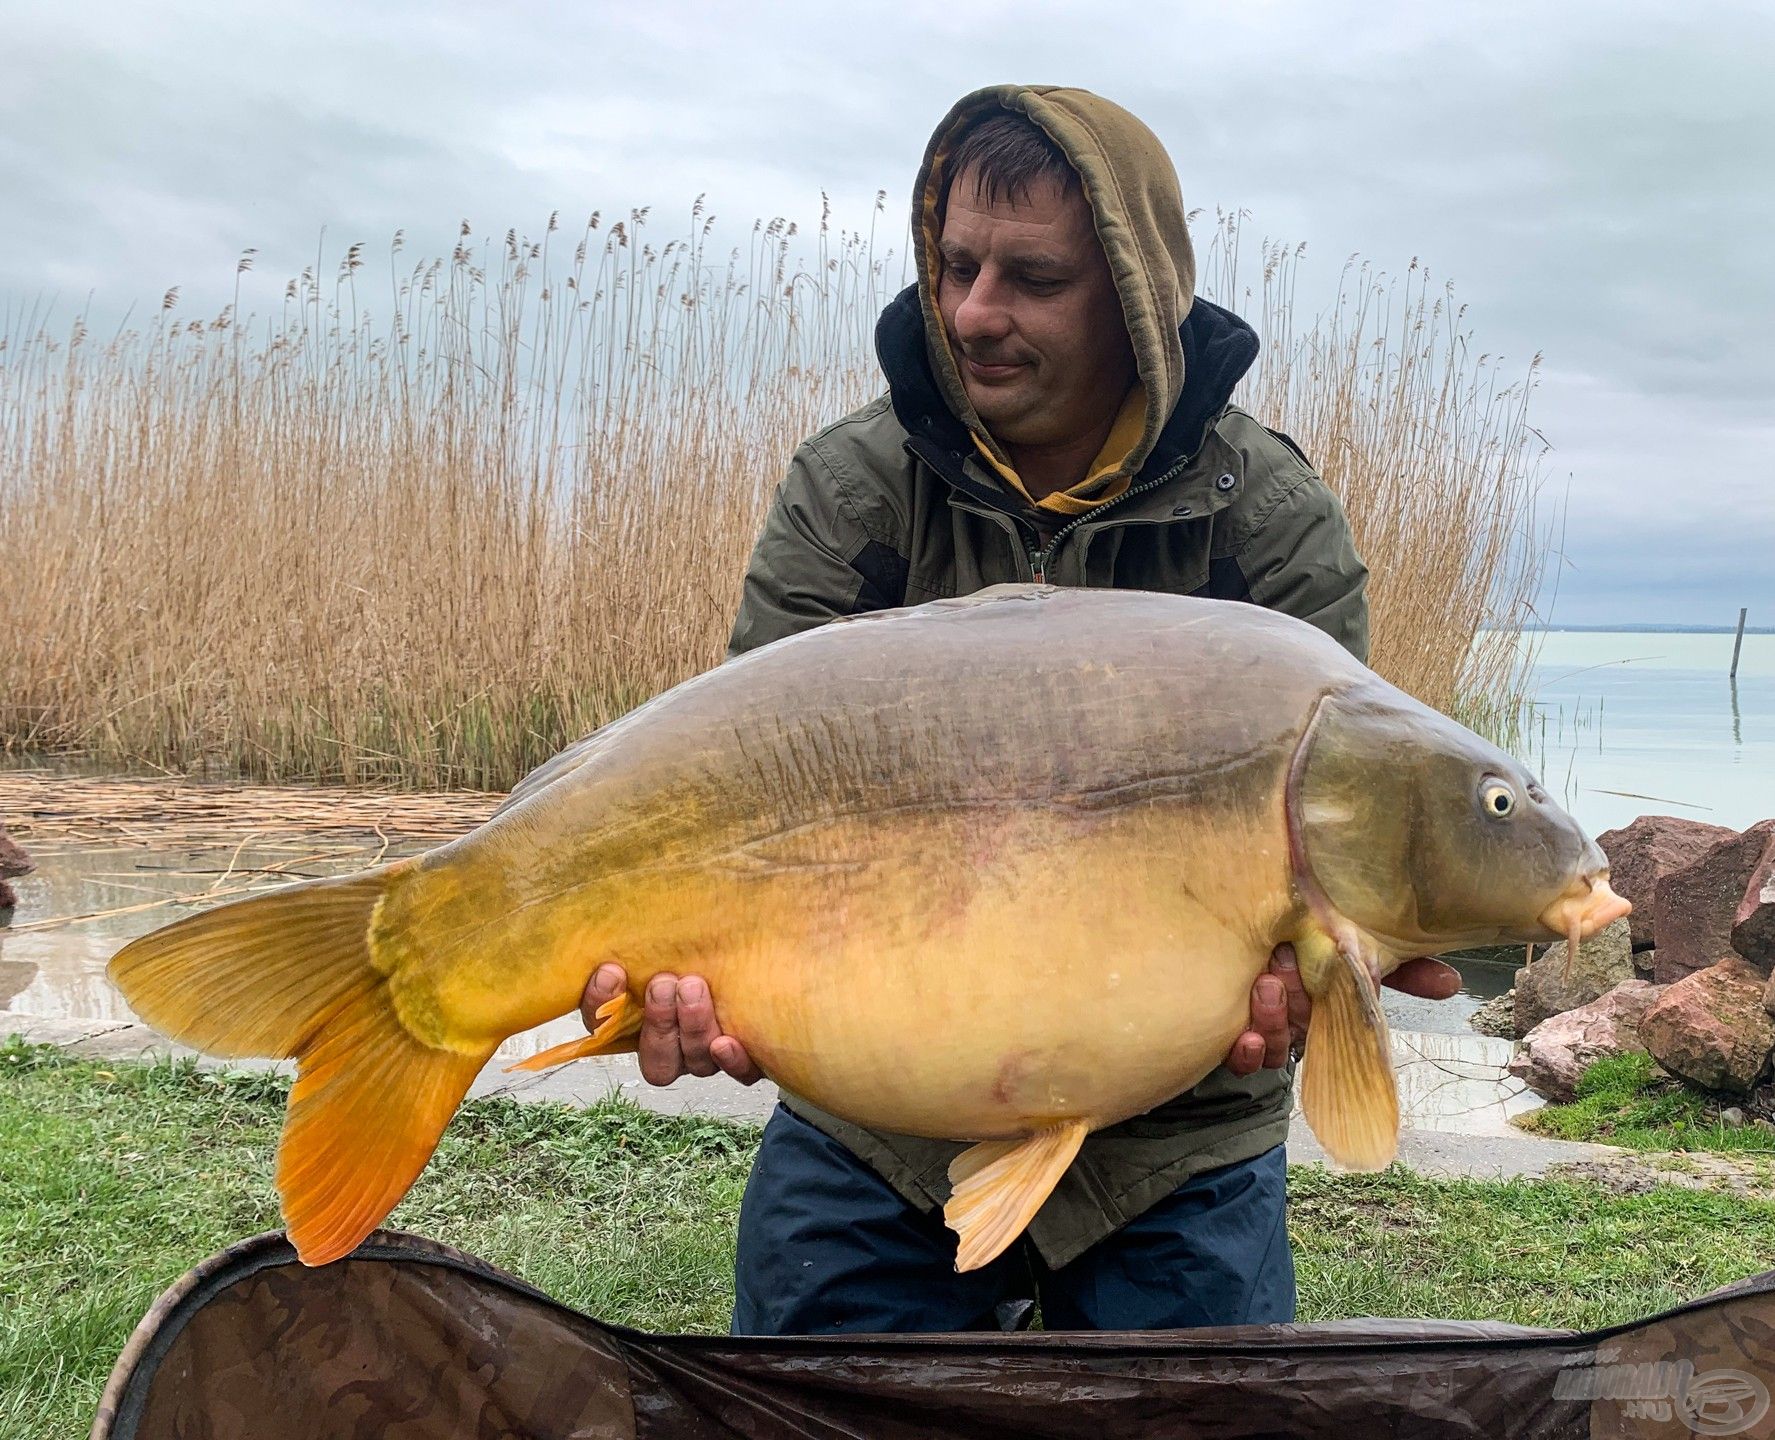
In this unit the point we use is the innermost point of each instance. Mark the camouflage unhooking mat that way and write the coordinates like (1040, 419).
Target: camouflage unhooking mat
(408, 1339)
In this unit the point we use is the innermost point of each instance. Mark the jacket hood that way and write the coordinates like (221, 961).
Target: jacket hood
(1137, 209)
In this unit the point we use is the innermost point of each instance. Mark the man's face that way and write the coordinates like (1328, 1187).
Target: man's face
(1032, 314)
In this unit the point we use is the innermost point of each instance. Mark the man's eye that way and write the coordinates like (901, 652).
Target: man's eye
(963, 273)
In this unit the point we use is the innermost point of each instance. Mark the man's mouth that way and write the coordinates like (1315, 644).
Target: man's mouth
(988, 372)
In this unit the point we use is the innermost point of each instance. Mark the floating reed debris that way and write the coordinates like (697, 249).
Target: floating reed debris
(93, 813)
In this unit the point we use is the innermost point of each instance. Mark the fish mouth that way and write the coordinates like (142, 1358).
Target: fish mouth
(1587, 905)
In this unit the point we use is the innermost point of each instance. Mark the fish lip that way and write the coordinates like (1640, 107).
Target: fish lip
(1586, 905)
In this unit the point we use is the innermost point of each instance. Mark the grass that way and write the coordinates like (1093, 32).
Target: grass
(421, 524)
(119, 1177)
(1624, 1100)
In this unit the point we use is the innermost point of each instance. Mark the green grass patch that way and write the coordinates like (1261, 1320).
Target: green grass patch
(114, 1179)
(1624, 1100)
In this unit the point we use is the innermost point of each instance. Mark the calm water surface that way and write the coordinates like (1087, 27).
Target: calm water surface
(1629, 724)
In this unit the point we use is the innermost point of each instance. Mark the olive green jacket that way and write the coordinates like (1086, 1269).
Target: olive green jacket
(903, 501)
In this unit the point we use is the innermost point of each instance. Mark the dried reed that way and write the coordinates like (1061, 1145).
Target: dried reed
(426, 537)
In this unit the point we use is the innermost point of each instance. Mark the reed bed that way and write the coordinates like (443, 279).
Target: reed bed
(421, 531)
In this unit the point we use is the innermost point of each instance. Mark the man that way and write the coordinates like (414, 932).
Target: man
(1057, 410)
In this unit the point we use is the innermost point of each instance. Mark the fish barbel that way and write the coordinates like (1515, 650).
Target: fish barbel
(998, 869)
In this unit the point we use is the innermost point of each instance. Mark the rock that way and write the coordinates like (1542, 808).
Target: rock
(1731, 1115)
(1753, 927)
(1497, 1016)
(1645, 961)
(1694, 908)
(1543, 989)
(8, 897)
(1559, 1050)
(13, 860)
(1643, 853)
(1710, 1026)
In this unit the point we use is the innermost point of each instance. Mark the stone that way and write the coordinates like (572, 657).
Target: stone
(1543, 989)
(13, 860)
(1753, 927)
(1695, 907)
(1497, 1016)
(8, 896)
(1645, 961)
(1560, 1049)
(1710, 1027)
(1732, 1115)
(1643, 853)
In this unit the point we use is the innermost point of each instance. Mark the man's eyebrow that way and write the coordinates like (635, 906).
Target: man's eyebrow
(1026, 264)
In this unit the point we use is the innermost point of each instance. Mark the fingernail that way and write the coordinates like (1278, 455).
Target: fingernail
(606, 981)
(1284, 958)
(1269, 990)
(691, 990)
(661, 988)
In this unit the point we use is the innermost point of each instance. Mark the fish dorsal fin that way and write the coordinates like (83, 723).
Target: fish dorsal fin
(1000, 1184)
(1347, 1089)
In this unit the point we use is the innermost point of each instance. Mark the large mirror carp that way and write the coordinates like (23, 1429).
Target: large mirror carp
(998, 869)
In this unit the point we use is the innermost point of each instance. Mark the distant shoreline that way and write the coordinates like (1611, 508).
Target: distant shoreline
(1654, 629)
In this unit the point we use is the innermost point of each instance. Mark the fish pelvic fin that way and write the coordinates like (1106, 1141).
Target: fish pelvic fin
(292, 975)
(1347, 1088)
(619, 1023)
(998, 1185)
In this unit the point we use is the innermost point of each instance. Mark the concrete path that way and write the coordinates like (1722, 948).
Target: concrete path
(1430, 1152)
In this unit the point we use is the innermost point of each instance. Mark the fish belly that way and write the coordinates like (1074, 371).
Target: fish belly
(976, 977)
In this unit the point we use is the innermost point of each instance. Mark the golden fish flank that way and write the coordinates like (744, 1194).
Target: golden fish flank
(922, 858)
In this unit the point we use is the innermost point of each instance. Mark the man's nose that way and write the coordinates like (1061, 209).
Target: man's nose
(983, 313)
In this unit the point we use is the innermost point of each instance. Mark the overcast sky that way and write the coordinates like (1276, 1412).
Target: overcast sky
(1597, 179)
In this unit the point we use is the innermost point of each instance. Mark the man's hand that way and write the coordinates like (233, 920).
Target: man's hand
(679, 1032)
(1280, 1008)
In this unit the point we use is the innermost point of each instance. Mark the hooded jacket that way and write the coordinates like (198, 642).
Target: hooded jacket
(912, 499)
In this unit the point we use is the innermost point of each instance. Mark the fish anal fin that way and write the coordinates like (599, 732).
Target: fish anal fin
(367, 1109)
(998, 1185)
(1347, 1088)
(619, 1022)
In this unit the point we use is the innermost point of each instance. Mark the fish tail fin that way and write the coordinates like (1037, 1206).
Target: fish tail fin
(619, 1025)
(291, 975)
(1347, 1089)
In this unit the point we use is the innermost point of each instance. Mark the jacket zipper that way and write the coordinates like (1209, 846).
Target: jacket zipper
(1040, 559)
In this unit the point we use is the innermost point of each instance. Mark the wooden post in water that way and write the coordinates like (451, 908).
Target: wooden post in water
(1738, 643)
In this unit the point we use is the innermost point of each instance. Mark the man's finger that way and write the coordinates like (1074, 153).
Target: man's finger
(1285, 967)
(607, 982)
(656, 1048)
(1269, 1018)
(1247, 1054)
(696, 1025)
(731, 1056)
(1425, 978)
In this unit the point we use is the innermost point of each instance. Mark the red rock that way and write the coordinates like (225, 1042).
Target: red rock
(1710, 1027)
(1694, 907)
(1643, 853)
(1545, 989)
(1559, 1050)
(13, 860)
(1753, 927)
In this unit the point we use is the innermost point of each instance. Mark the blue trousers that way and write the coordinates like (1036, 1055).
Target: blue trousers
(827, 1246)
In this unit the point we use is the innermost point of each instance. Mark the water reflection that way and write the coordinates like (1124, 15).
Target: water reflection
(1626, 723)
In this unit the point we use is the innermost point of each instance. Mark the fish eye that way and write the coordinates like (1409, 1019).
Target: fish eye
(1496, 798)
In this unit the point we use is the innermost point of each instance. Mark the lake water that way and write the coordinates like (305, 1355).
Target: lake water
(1627, 724)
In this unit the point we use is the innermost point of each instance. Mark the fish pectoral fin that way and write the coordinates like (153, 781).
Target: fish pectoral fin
(619, 1022)
(998, 1185)
(1347, 1089)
